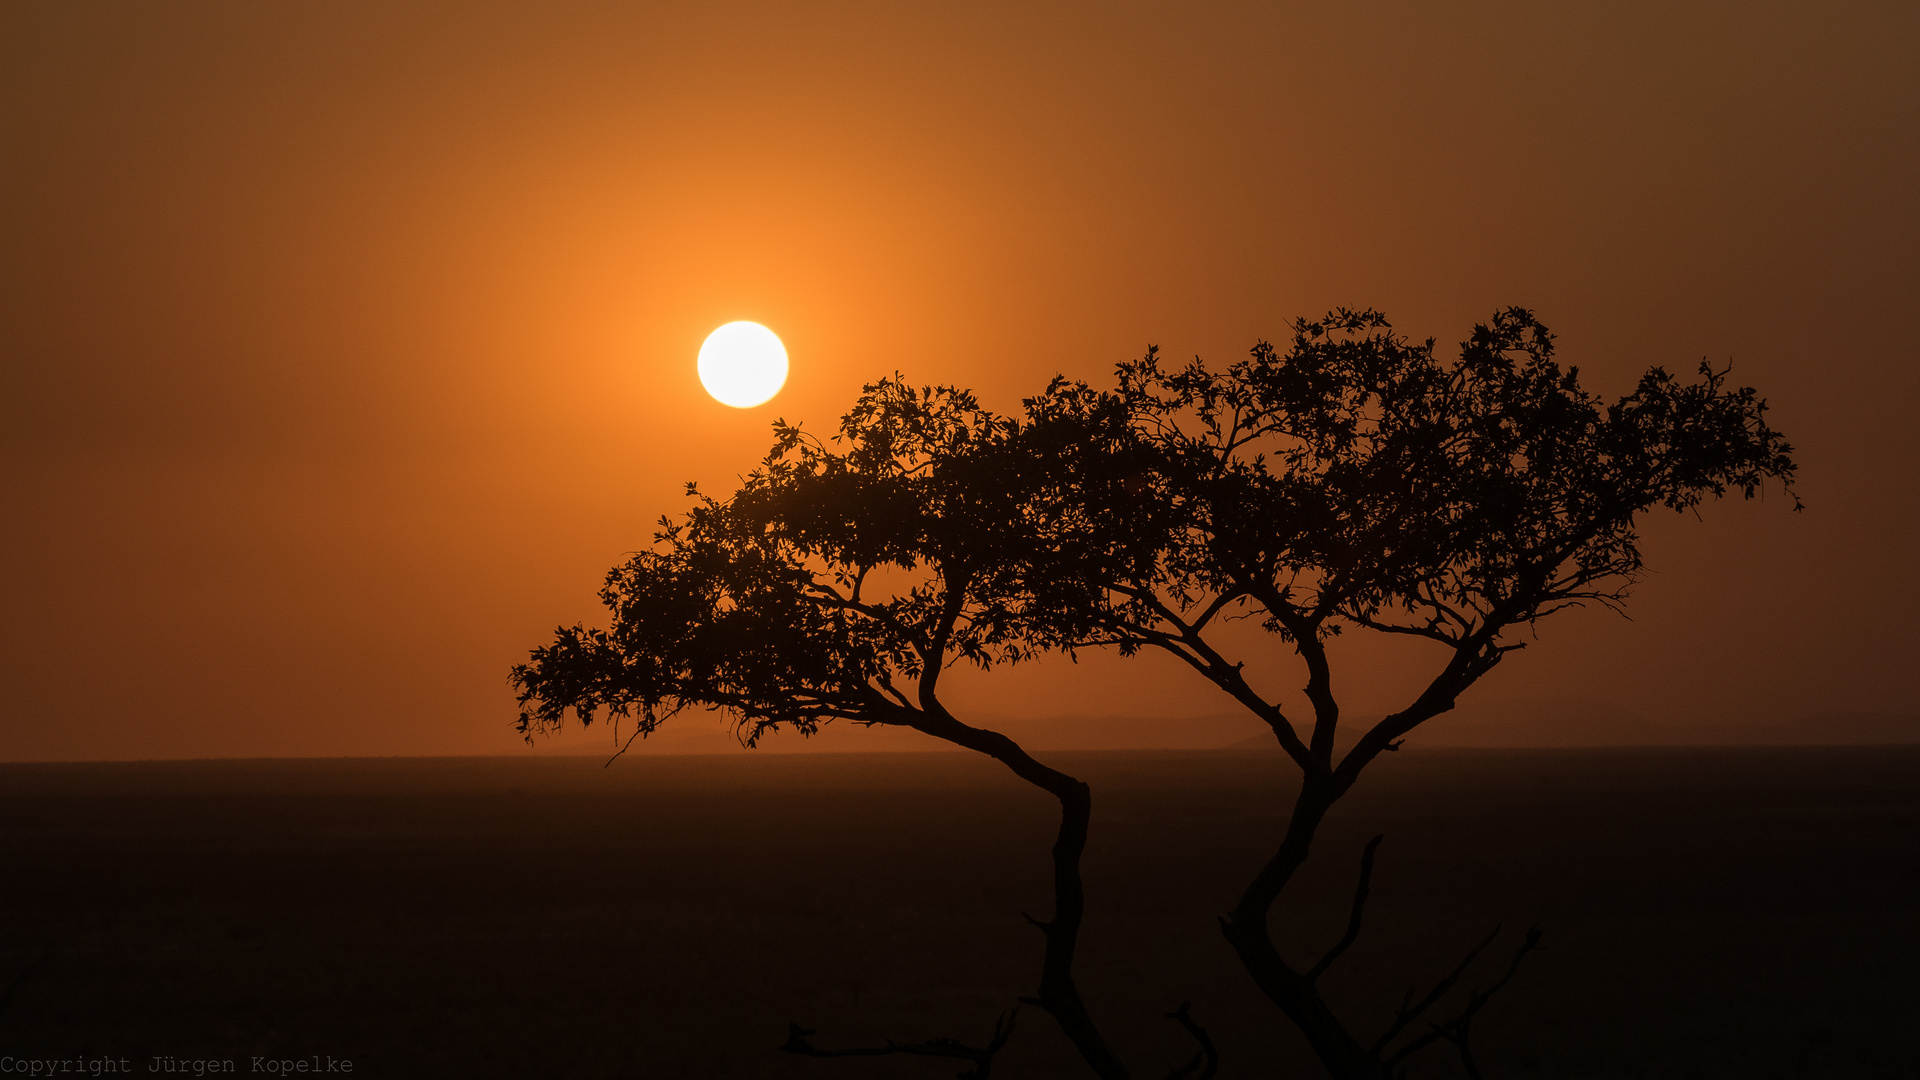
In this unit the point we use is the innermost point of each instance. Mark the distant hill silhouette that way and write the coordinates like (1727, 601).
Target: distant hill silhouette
(699, 735)
(1571, 723)
(1565, 723)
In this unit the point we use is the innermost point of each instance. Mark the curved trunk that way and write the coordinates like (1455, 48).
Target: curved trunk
(1058, 994)
(1248, 932)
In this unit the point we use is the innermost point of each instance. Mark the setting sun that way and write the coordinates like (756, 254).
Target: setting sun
(743, 364)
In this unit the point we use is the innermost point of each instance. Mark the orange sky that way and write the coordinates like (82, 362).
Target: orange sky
(347, 345)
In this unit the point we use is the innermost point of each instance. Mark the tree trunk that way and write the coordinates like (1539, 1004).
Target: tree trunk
(1247, 930)
(1058, 994)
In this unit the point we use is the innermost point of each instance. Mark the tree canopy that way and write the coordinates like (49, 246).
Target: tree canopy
(1355, 481)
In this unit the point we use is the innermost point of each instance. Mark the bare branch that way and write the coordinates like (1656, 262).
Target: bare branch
(1459, 1030)
(638, 731)
(1429, 631)
(1406, 1014)
(1353, 920)
(1214, 608)
(1193, 649)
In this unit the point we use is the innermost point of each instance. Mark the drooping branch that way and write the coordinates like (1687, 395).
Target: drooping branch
(1353, 920)
(799, 1041)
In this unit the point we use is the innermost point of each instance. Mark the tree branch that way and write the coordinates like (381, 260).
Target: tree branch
(933, 658)
(1407, 1014)
(1430, 632)
(828, 598)
(1353, 920)
(1193, 650)
(1459, 1030)
(1214, 608)
(1305, 630)
(1206, 1059)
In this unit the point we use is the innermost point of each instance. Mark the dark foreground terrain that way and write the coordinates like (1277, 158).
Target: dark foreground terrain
(1711, 913)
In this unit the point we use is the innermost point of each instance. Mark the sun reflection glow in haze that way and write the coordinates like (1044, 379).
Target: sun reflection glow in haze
(743, 364)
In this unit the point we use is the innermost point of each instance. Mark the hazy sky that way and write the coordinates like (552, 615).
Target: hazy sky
(346, 345)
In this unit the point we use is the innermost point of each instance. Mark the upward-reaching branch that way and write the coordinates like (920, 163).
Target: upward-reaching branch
(1458, 1030)
(1353, 919)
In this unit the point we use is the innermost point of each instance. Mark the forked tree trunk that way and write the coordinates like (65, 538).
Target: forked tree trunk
(1344, 1057)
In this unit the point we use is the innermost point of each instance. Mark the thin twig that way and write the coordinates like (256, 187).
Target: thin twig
(1459, 1030)
(1407, 1014)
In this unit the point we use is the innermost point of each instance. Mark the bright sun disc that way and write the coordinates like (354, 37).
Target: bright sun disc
(743, 364)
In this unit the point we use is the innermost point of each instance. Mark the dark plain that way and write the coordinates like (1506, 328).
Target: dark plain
(1707, 913)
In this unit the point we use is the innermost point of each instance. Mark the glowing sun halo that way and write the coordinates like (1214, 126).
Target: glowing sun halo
(743, 364)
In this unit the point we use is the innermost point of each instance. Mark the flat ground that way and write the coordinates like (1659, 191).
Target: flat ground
(1711, 913)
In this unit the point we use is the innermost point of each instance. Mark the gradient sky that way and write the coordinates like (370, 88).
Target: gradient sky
(346, 345)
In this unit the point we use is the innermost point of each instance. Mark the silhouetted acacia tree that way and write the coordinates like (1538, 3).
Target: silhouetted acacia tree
(839, 583)
(1356, 482)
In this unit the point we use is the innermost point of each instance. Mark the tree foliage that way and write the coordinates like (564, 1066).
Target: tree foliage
(1355, 481)
(826, 588)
